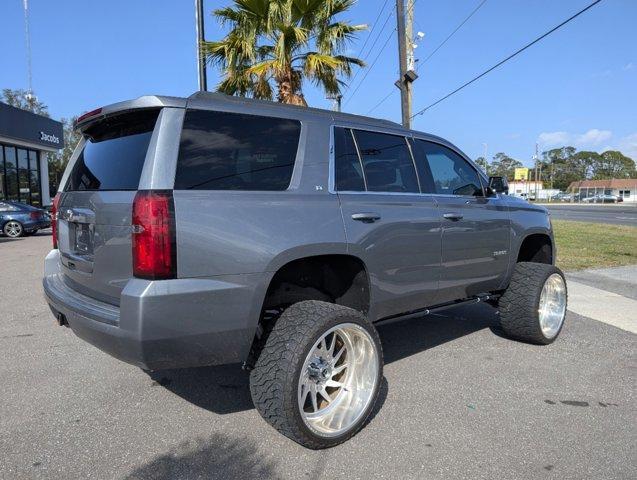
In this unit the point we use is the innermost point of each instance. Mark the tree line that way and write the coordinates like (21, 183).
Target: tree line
(561, 166)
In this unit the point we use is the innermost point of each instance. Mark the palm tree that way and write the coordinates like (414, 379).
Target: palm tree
(279, 43)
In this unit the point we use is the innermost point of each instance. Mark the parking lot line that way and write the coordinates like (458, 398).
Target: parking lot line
(603, 306)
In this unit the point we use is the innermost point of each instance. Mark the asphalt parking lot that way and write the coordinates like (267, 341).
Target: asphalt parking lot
(624, 214)
(458, 401)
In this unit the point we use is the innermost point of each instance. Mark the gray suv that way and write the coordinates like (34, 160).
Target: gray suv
(215, 229)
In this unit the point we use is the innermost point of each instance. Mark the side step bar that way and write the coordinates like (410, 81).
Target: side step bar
(437, 308)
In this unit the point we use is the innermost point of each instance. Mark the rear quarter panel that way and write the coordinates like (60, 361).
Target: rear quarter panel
(239, 232)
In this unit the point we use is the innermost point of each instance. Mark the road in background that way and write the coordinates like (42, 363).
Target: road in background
(615, 214)
(458, 401)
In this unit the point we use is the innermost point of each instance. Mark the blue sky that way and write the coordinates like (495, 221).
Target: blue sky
(577, 87)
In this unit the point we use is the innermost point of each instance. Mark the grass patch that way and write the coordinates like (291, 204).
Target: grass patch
(594, 245)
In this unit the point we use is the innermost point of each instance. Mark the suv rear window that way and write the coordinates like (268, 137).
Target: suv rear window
(231, 151)
(114, 153)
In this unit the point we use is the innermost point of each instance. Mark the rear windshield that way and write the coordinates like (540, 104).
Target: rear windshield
(231, 151)
(114, 153)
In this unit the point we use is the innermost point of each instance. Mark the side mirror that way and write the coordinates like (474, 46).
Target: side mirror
(499, 184)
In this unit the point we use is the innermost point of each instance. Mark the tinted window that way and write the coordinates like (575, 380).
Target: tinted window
(230, 151)
(387, 162)
(114, 153)
(349, 173)
(452, 174)
(422, 167)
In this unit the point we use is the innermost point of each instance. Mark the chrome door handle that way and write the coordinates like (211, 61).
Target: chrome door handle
(366, 217)
(453, 216)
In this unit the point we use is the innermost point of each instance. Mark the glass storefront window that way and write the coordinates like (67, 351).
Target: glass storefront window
(3, 187)
(11, 172)
(34, 178)
(23, 176)
(19, 175)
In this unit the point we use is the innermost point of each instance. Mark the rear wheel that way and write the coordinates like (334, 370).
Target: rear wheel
(318, 376)
(13, 229)
(533, 307)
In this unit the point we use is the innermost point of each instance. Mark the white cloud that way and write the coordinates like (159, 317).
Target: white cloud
(593, 137)
(590, 138)
(551, 139)
(628, 146)
(603, 74)
(628, 66)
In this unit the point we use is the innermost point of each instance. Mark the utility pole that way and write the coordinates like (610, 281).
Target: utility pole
(404, 28)
(537, 160)
(27, 35)
(201, 62)
(336, 102)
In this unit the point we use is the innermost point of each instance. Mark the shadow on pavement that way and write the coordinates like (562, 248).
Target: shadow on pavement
(225, 389)
(409, 337)
(221, 389)
(219, 456)
(4, 239)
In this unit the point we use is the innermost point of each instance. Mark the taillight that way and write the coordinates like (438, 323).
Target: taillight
(54, 219)
(154, 249)
(86, 115)
(34, 215)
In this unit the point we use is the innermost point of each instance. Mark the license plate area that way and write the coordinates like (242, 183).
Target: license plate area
(82, 243)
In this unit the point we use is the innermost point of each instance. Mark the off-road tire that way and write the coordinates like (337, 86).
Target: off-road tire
(274, 379)
(518, 306)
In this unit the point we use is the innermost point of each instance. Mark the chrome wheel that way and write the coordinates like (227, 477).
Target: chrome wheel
(13, 229)
(338, 380)
(552, 308)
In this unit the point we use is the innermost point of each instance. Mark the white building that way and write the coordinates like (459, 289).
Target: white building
(530, 190)
(625, 188)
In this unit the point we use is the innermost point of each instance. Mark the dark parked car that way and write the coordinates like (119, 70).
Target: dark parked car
(19, 219)
(216, 230)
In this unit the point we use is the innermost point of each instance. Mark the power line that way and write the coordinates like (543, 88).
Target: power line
(420, 112)
(376, 58)
(380, 32)
(380, 12)
(384, 99)
(391, 34)
(381, 102)
(453, 33)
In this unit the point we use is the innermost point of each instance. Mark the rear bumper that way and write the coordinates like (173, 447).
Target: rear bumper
(164, 324)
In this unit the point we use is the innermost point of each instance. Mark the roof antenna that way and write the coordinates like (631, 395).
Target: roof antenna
(31, 98)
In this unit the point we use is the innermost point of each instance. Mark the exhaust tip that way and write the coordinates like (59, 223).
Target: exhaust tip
(61, 318)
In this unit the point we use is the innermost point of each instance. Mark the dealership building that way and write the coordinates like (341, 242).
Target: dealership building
(624, 188)
(25, 139)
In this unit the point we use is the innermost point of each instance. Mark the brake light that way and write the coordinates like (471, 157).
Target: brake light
(34, 215)
(154, 249)
(92, 113)
(54, 219)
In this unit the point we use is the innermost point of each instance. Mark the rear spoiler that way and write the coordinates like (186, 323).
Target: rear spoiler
(147, 101)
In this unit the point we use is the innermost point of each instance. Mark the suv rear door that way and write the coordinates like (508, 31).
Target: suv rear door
(389, 224)
(95, 207)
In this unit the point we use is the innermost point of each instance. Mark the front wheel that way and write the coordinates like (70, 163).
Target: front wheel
(13, 229)
(533, 307)
(318, 375)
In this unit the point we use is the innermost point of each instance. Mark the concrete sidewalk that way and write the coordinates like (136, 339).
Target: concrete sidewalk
(608, 295)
